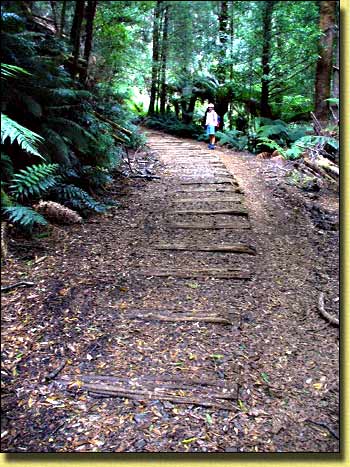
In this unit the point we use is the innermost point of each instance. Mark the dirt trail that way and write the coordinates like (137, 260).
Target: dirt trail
(187, 319)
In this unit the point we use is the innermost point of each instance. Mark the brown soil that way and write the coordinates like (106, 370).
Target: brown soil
(96, 306)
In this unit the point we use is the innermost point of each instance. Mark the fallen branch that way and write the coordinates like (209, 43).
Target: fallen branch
(323, 425)
(18, 284)
(113, 124)
(143, 395)
(147, 177)
(155, 317)
(55, 372)
(324, 313)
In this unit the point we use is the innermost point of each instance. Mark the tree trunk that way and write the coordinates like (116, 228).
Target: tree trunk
(265, 59)
(63, 18)
(223, 98)
(90, 15)
(324, 63)
(163, 90)
(223, 36)
(54, 15)
(155, 57)
(75, 34)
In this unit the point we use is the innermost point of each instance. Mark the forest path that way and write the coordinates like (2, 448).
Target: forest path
(188, 325)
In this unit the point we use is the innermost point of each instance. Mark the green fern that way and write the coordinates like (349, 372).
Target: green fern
(57, 148)
(96, 176)
(232, 138)
(10, 71)
(24, 216)
(34, 180)
(271, 144)
(308, 142)
(6, 166)
(78, 136)
(27, 139)
(77, 198)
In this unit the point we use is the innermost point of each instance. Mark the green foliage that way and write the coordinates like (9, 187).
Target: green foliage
(34, 180)
(172, 125)
(11, 71)
(76, 198)
(27, 139)
(24, 216)
(305, 182)
(232, 139)
(306, 142)
(270, 144)
(6, 166)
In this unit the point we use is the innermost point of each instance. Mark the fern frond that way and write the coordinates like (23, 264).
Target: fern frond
(72, 130)
(10, 71)
(6, 200)
(57, 148)
(32, 106)
(24, 216)
(78, 198)
(6, 166)
(27, 139)
(34, 180)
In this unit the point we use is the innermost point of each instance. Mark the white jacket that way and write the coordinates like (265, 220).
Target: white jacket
(212, 118)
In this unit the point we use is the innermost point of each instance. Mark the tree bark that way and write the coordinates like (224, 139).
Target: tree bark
(90, 15)
(75, 34)
(63, 19)
(325, 60)
(163, 90)
(155, 57)
(223, 98)
(265, 109)
(54, 15)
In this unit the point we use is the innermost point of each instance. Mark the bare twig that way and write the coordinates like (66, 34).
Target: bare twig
(324, 313)
(18, 284)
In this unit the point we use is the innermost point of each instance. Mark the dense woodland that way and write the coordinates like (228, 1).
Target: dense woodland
(79, 77)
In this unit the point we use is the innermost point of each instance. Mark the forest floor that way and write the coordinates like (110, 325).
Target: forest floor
(112, 351)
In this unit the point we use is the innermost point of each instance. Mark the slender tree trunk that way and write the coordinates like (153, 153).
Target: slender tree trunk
(163, 90)
(155, 57)
(230, 109)
(63, 18)
(90, 15)
(54, 16)
(223, 99)
(325, 60)
(223, 37)
(76, 33)
(265, 59)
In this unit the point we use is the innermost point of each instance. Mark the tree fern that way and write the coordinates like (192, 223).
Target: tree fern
(34, 180)
(27, 139)
(24, 216)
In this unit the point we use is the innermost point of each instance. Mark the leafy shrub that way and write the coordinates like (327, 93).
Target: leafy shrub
(170, 124)
(232, 139)
(306, 142)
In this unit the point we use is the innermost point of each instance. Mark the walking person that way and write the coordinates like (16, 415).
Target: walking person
(211, 123)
